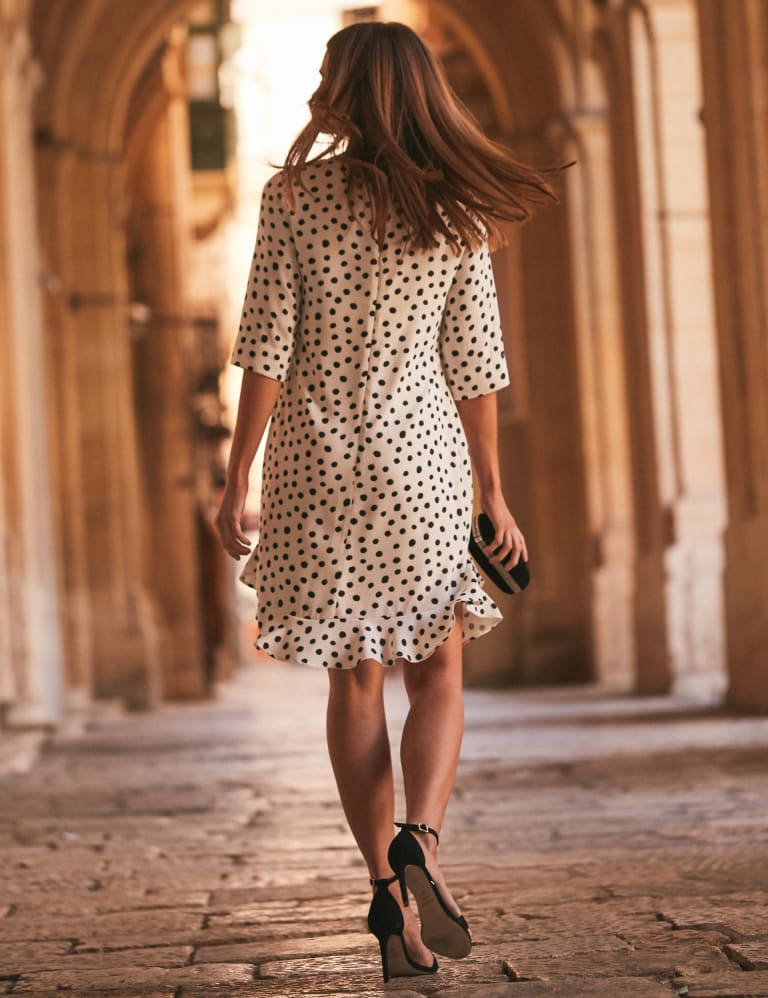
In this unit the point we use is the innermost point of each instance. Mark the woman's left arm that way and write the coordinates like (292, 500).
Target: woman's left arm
(258, 396)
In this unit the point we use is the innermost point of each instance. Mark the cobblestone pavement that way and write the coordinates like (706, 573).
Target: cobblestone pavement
(599, 846)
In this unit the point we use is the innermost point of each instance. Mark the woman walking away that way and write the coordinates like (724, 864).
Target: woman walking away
(370, 334)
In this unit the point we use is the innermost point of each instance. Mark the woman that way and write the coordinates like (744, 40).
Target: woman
(370, 334)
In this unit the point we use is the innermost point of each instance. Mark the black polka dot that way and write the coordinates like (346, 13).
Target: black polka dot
(366, 500)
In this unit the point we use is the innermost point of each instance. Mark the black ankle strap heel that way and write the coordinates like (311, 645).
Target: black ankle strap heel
(442, 930)
(385, 921)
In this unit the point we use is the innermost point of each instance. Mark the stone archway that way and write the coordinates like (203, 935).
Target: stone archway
(94, 58)
(575, 419)
(94, 55)
(601, 289)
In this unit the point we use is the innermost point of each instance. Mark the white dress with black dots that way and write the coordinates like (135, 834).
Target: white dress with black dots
(366, 500)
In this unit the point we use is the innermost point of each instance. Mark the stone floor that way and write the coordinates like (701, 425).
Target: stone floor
(599, 846)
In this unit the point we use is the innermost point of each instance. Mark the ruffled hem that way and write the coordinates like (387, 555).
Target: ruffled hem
(342, 644)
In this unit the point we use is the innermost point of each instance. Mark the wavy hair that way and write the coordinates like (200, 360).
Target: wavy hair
(409, 140)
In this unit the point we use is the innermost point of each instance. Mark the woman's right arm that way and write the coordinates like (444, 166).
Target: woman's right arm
(479, 416)
(258, 396)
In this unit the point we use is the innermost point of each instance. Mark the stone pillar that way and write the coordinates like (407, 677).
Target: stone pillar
(602, 375)
(102, 513)
(158, 233)
(93, 267)
(561, 647)
(65, 432)
(10, 674)
(676, 262)
(734, 57)
(30, 650)
(610, 48)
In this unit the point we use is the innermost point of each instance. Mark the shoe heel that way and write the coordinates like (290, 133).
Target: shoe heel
(384, 965)
(441, 930)
(385, 921)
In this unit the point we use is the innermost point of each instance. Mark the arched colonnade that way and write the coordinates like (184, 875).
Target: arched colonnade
(634, 436)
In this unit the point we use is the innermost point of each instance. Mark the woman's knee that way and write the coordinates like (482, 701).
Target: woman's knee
(441, 671)
(429, 678)
(365, 680)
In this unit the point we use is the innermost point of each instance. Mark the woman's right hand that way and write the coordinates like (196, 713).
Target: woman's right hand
(508, 538)
(228, 520)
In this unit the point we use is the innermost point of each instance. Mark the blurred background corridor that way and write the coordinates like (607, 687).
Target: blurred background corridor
(134, 141)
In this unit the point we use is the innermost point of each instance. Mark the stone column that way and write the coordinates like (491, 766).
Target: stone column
(734, 56)
(602, 373)
(676, 261)
(561, 645)
(101, 509)
(158, 232)
(31, 663)
(64, 423)
(610, 48)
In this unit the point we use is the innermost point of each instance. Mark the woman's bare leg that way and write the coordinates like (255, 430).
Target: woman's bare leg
(431, 741)
(358, 745)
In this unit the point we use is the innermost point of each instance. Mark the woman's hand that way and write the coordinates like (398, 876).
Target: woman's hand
(508, 537)
(258, 396)
(228, 519)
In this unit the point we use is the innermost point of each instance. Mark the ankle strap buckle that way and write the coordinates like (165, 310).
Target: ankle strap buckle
(420, 826)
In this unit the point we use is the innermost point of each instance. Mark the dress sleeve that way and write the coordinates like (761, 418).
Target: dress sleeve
(471, 340)
(272, 304)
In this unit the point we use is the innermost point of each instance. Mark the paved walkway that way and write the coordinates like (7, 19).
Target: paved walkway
(599, 846)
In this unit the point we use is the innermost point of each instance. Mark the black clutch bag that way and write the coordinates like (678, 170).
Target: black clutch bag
(509, 578)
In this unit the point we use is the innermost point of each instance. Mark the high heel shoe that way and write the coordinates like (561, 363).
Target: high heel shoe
(441, 930)
(385, 920)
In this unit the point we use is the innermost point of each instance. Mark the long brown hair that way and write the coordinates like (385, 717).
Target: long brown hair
(410, 140)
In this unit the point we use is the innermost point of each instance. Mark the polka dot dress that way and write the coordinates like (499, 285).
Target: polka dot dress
(366, 500)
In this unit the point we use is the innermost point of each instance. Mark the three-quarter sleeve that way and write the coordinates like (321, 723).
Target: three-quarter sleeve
(272, 305)
(471, 340)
